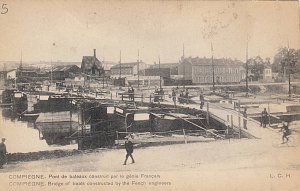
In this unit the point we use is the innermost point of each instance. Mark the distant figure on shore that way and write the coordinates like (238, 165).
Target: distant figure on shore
(174, 97)
(129, 150)
(264, 118)
(286, 132)
(201, 100)
(245, 117)
(132, 94)
(129, 93)
(187, 96)
(3, 153)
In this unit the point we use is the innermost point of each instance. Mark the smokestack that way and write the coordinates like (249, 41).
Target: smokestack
(94, 52)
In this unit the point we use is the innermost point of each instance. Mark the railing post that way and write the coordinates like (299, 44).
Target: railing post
(185, 140)
(239, 119)
(117, 137)
(269, 114)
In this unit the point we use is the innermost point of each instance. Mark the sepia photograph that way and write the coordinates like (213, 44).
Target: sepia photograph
(149, 95)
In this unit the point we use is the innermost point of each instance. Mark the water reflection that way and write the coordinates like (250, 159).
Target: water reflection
(21, 136)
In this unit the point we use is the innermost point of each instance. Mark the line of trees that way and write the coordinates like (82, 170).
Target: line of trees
(285, 61)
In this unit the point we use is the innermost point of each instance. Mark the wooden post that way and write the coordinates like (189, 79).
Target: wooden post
(231, 121)
(122, 97)
(117, 137)
(126, 123)
(207, 113)
(150, 98)
(239, 119)
(185, 141)
(142, 98)
(227, 129)
(111, 95)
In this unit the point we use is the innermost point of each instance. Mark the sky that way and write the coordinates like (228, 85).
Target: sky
(67, 30)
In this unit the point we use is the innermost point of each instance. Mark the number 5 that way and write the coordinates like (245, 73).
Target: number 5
(4, 9)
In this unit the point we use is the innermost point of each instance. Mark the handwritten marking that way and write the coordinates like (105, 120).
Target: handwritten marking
(4, 9)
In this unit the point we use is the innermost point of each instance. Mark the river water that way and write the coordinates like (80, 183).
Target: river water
(22, 137)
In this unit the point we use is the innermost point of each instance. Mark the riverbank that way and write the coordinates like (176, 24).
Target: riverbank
(255, 154)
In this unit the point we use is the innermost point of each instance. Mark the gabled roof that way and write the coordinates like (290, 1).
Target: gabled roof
(89, 61)
(63, 68)
(11, 70)
(267, 67)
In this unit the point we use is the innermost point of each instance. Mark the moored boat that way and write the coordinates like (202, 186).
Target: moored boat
(54, 127)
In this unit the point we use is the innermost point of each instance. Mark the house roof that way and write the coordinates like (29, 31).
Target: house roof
(89, 61)
(126, 65)
(267, 67)
(165, 65)
(29, 69)
(208, 61)
(108, 64)
(11, 70)
(63, 68)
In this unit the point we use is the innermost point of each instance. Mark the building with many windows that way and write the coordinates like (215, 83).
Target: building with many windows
(200, 70)
(127, 69)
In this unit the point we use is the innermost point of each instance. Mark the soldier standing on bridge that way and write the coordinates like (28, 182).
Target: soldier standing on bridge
(264, 118)
(129, 93)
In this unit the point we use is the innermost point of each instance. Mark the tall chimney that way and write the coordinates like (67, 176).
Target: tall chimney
(94, 52)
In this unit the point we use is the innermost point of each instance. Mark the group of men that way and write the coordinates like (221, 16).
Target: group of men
(184, 97)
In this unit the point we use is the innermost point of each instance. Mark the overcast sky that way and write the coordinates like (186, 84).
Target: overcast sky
(68, 30)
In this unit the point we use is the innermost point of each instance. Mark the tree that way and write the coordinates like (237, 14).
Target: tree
(286, 60)
(256, 66)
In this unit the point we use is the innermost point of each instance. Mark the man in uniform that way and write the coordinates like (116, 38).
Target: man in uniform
(129, 150)
(286, 132)
(264, 118)
(3, 152)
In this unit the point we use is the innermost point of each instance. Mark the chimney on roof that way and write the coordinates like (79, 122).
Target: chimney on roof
(95, 53)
